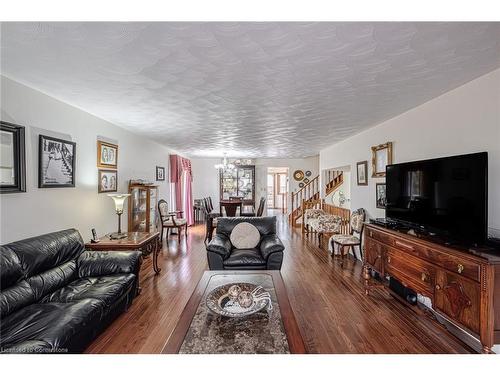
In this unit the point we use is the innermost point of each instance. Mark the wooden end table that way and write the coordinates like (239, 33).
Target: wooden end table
(200, 331)
(147, 243)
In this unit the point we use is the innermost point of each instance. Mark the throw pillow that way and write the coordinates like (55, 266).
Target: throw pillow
(245, 236)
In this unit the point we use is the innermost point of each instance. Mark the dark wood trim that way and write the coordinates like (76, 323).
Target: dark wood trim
(295, 342)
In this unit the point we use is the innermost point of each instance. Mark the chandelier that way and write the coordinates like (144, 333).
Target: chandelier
(226, 165)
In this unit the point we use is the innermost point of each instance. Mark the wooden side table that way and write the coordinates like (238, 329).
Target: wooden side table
(147, 243)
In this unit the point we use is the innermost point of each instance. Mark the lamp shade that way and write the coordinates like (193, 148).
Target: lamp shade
(119, 200)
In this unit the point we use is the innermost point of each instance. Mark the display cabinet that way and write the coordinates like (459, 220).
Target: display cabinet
(238, 182)
(142, 208)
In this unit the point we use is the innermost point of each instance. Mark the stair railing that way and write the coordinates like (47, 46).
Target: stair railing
(307, 192)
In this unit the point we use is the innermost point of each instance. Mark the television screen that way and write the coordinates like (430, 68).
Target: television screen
(446, 196)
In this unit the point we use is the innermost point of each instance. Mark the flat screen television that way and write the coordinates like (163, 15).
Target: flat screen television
(447, 197)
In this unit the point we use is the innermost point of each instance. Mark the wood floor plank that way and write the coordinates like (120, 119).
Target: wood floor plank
(329, 303)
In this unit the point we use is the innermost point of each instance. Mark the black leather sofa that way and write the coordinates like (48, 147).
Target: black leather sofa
(55, 297)
(222, 255)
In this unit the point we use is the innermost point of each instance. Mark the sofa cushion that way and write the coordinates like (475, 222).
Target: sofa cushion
(39, 254)
(245, 258)
(15, 298)
(10, 265)
(53, 279)
(60, 325)
(245, 236)
(107, 289)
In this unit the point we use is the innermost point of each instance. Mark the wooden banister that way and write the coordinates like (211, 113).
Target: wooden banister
(307, 192)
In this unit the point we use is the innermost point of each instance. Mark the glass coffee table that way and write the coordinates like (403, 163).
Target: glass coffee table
(269, 331)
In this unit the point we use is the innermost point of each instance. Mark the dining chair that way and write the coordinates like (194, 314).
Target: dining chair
(350, 241)
(170, 219)
(211, 218)
(260, 210)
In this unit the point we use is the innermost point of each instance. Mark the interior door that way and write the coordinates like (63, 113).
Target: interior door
(270, 190)
(281, 190)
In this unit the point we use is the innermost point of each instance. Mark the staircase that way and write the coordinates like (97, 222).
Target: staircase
(309, 192)
(334, 180)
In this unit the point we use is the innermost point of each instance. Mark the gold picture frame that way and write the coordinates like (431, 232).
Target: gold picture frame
(107, 155)
(381, 157)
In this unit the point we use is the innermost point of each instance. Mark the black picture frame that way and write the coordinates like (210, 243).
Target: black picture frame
(41, 176)
(362, 180)
(380, 195)
(158, 176)
(19, 158)
(112, 172)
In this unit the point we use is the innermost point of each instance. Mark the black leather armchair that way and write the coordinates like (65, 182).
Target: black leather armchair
(55, 297)
(222, 255)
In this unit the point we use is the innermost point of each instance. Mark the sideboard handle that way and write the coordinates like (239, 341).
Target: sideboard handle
(460, 268)
(404, 245)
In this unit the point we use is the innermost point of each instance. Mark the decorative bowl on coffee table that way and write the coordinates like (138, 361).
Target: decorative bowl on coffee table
(238, 300)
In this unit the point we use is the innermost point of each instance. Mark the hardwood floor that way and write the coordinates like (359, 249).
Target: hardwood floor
(329, 303)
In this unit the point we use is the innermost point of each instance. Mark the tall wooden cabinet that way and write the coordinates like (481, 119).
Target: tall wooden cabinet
(238, 182)
(142, 208)
(463, 284)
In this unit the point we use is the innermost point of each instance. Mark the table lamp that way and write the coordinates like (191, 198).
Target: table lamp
(119, 200)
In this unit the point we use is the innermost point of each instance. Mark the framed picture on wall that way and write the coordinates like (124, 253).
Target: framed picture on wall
(160, 173)
(381, 157)
(380, 195)
(107, 155)
(56, 162)
(13, 160)
(108, 181)
(362, 172)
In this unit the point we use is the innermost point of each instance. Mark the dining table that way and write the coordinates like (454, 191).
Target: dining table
(234, 204)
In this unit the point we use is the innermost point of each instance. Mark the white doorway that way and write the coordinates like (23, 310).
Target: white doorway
(277, 188)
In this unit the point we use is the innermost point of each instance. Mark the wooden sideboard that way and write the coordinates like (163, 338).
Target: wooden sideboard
(463, 284)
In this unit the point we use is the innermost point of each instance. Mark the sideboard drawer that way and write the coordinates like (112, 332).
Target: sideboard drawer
(462, 266)
(379, 236)
(412, 272)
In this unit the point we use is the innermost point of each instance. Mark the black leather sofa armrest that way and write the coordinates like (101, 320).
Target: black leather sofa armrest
(101, 263)
(270, 244)
(221, 245)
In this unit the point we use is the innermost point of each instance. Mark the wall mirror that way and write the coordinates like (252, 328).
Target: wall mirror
(12, 158)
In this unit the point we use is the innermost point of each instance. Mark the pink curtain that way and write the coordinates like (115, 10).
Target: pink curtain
(178, 167)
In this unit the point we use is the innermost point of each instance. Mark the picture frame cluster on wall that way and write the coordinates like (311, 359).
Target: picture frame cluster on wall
(107, 164)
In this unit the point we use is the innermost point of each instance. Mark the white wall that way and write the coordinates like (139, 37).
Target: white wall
(40, 211)
(206, 177)
(464, 120)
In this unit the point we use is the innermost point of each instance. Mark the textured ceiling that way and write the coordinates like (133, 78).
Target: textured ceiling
(248, 89)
